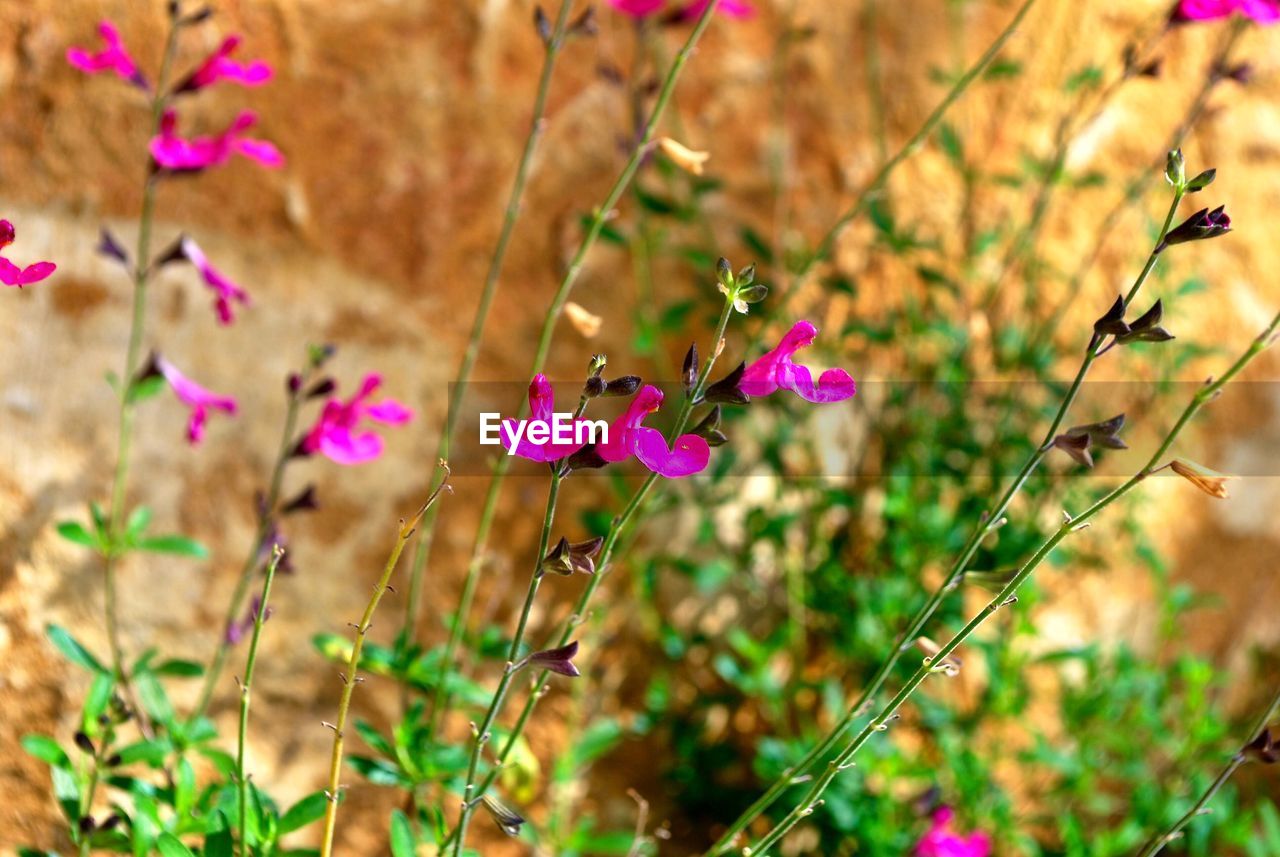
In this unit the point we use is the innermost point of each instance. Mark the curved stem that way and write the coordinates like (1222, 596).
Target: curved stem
(352, 676)
(598, 219)
(510, 215)
(881, 721)
(251, 660)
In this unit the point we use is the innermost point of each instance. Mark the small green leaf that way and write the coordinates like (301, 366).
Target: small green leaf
(139, 518)
(401, 835)
(152, 697)
(179, 669)
(171, 846)
(306, 811)
(46, 750)
(95, 703)
(74, 531)
(180, 545)
(145, 388)
(72, 650)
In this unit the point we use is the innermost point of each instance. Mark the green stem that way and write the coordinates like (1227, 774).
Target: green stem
(251, 660)
(352, 676)
(137, 328)
(83, 843)
(881, 721)
(509, 671)
(510, 215)
(990, 521)
(265, 517)
(1157, 843)
(872, 189)
(601, 215)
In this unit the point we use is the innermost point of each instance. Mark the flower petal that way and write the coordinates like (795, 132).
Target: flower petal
(689, 455)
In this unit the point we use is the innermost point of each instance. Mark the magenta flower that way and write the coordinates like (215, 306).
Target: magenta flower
(335, 434)
(226, 291)
(200, 400)
(637, 8)
(536, 444)
(197, 153)
(627, 436)
(776, 370)
(1262, 11)
(220, 66)
(733, 8)
(113, 57)
(941, 841)
(13, 275)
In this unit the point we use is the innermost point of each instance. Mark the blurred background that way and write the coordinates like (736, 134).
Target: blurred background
(759, 597)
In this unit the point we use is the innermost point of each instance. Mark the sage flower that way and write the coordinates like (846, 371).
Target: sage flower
(191, 394)
(220, 66)
(112, 57)
(688, 455)
(776, 370)
(941, 841)
(531, 444)
(182, 154)
(17, 275)
(336, 434)
(1261, 11)
(226, 292)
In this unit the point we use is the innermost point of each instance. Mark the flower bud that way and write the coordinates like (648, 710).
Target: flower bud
(1199, 226)
(293, 383)
(582, 555)
(557, 660)
(753, 294)
(584, 459)
(504, 816)
(689, 369)
(1262, 749)
(558, 560)
(689, 160)
(1209, 481)
(726, 389)
(597, 364)
(624, 385)
(1113, 322)
(107, 245)
(85, 744)
(1202, 181)
(724, 272)
(594, 387)
(1076, 446)
(747, 275)
(1147, 327)
(305, 501)
(542, 25)
(321, 388)
(585, 24)
(1175, 169)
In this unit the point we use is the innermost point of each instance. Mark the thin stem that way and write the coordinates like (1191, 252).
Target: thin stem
(873, 188)
(1006, 596)
(511, 214)
(251, 660)
(1157, 843)
(352, 676)
(482, 734)
(137, 328)
(991, 520)
(266, 515)
(83, 839)
(601, 215)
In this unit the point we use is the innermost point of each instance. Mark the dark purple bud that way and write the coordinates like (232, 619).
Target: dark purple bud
(689, 369)
(557, 660)
(726, 389)
(305, 501)
(1151, 69)
(623, 385)
(558, 560)
(198, 17)
(150, 369)
(175, 252)
(323, 387)
(582, 555)
(1262, 749)
(293, 383)
(585, 24)
(709, 424)
(87, 824)
(542, 24)
(1241, 73)
(112, 822)
(594, 387)
(585, 459)
(238, 629)
(84, 743)
(1147, 327)
(1198, 227)
(1113, 322)
(108, 246)
(1076, 446)
(504, 816)
(1105, 433)
(114, 761)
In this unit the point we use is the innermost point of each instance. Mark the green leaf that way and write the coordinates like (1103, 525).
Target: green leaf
(218, 844)
(139, 518)
(171, 846)
(72, 650)
(401, 835)
(306, 811)
(46, 750)
(949, 142)
(74, 532)
(178, 669)
(174, 544)
(152, 697)
(95, 703)
(151, 753)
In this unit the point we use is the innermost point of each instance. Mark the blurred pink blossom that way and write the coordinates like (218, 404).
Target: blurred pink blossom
(220, 66)
(197, 153)
(776, 370)
(941, 841)
(1262, 11)
(200, 400)
(335, 435)
(113, 57)
(226, 291)
(15, 275)
(645, 8)
(627, 437)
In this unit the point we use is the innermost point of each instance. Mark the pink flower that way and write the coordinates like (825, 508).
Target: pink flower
(542, 410)
(225, 290)
(637, 8)
(220, 66)
(197, 153)
(1262, 11)
(775, 370)
(11, 274)
(627, 436)
(941, 841)
(113, 57)
(200, 400)
(335, 434)
(733, 8)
